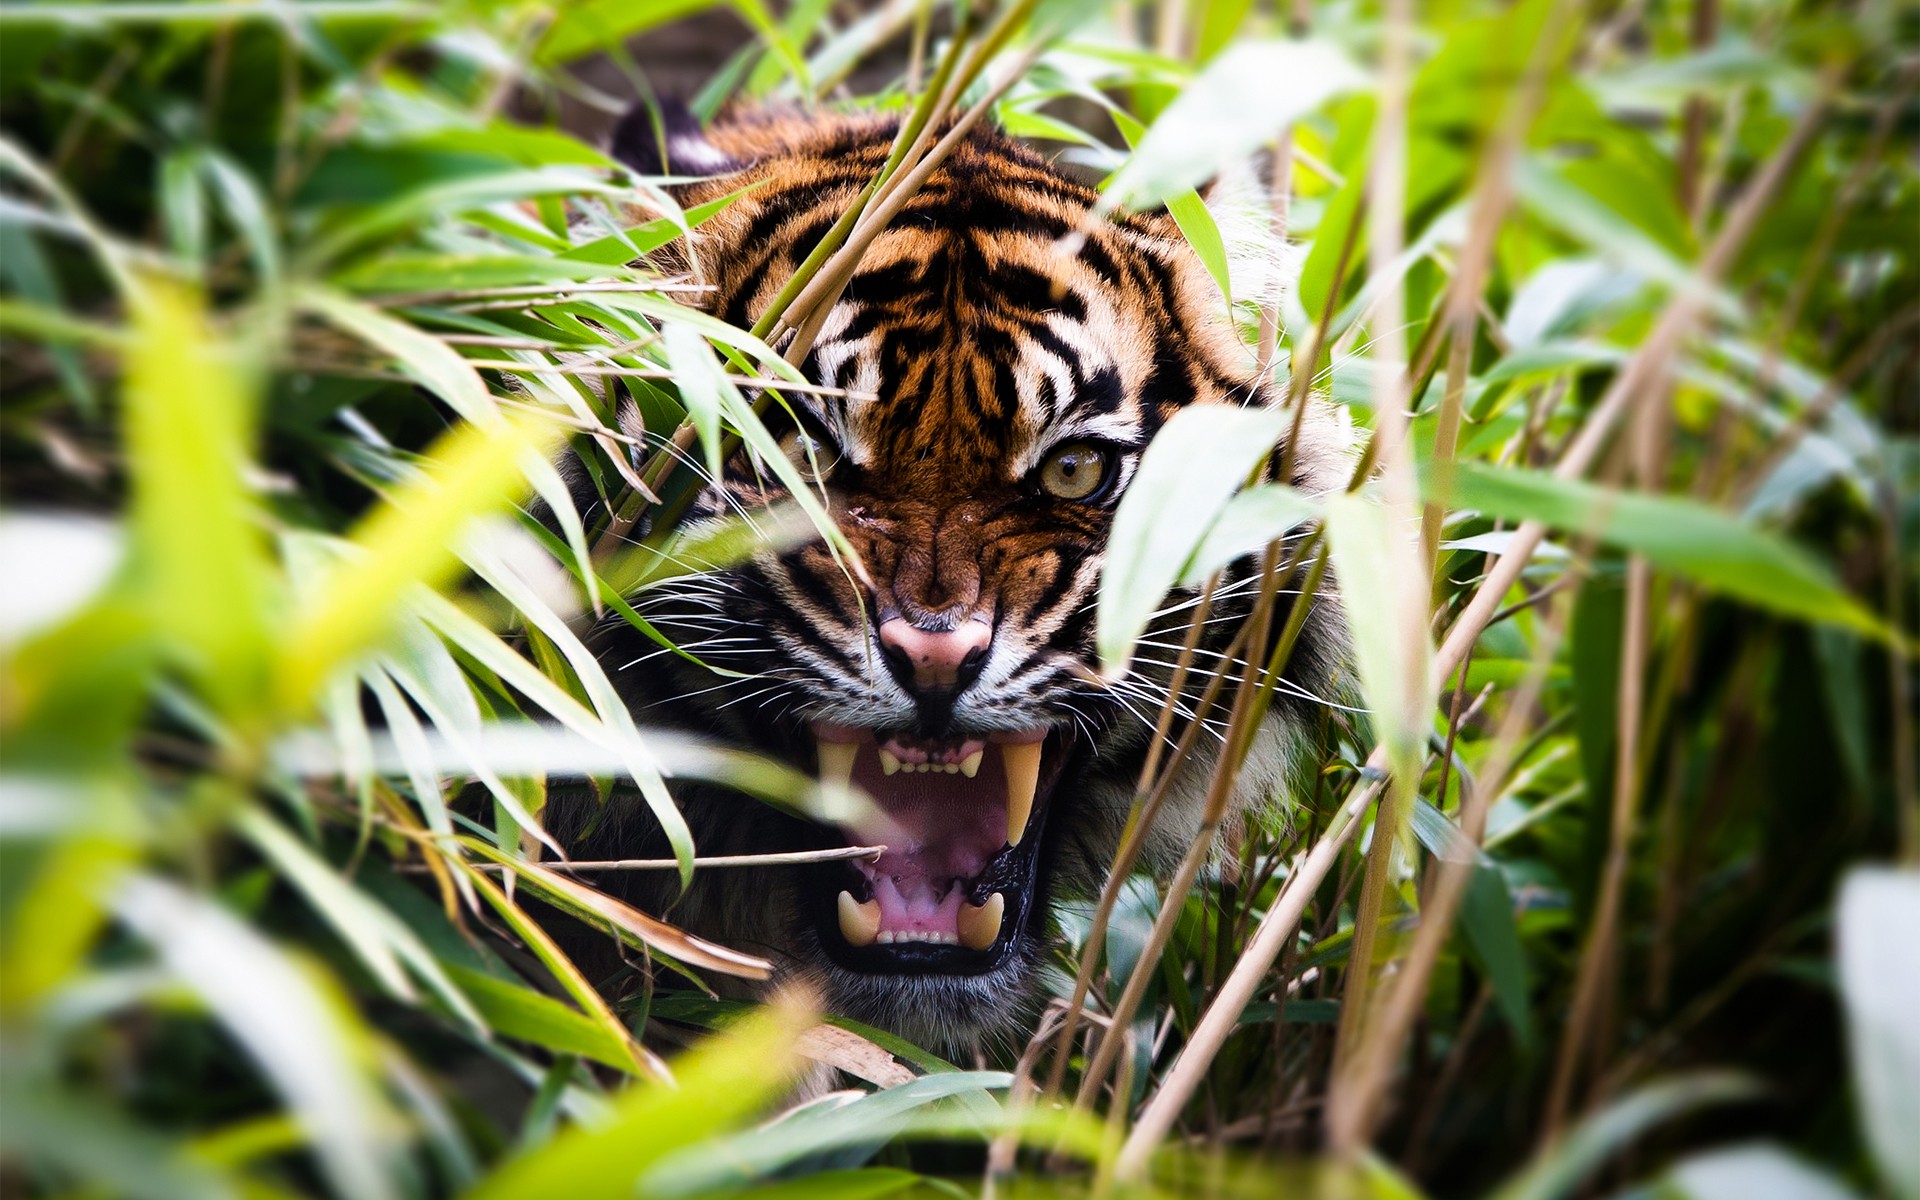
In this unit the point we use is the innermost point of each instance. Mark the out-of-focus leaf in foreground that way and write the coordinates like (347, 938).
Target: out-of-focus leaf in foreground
(717, 1085)
(1880, 985)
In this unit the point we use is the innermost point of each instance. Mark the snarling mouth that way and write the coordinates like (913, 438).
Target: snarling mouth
(962, 821)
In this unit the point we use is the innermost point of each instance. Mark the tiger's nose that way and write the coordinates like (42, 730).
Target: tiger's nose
(934, 660)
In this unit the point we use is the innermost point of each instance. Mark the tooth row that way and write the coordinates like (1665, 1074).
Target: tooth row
(1021, 760)
(969, 766)
(892, 936)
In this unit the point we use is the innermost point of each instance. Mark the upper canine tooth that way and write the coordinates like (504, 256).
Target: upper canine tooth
(888, 763)
(859, 923)
(1022, 761)
(980, 927)
(970, 765)
(836, 762)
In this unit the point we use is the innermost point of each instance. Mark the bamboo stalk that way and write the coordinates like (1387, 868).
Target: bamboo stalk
(785, 858)
(1399, 495)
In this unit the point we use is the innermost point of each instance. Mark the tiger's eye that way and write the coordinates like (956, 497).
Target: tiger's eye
(814, 456)
(1075, 471)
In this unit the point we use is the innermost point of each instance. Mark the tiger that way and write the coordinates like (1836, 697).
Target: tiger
(990, 377)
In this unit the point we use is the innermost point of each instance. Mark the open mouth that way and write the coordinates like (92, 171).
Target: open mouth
(961, 819)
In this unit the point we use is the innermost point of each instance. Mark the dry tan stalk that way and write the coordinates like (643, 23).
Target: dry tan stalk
(1369, 1041)
(1399, 495)
(1139, 823)
(1598, 959)
(660, 467)
(1280, 206)
(727, 860)
(1662, 344)
(748, 381)
(1020, 1097)
(818, 298)
(555, 290)
(897, 181)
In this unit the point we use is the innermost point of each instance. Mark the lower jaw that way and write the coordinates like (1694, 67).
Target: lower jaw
(1020, 922)
(1015, 874)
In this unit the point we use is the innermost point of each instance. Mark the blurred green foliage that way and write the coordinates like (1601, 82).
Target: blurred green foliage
(275, 603)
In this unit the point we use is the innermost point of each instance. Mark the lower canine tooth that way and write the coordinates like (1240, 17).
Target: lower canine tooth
(836, 762)
(1022, 760)
(859, 922)
(980, 927)
(888, 763)
(970, 765)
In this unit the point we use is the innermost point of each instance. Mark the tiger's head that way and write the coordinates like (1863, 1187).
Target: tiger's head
(999, 391)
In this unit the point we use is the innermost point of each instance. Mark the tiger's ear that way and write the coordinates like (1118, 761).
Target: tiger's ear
(666, 139)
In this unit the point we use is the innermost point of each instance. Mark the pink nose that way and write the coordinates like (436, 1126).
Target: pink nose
(936, 658)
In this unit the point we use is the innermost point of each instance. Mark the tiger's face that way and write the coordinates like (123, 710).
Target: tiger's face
(999, 391)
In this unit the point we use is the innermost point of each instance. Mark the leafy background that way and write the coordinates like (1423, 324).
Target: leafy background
(1600, 892)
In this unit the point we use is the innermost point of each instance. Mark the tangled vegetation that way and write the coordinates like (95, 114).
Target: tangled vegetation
(1611, 868)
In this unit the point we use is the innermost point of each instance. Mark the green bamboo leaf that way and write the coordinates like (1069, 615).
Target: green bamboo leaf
(487, 648)
(700, 383)
(1553, 197)
(1486, 917)
(1757, 1172)
(629, 244)
(865, 1183)
(1241, 101)
(519, 1012)
(76, 1140)
(1376, 560)
(437, 366)
(1189, 471)
(1558, 1170)
(55, 913)
(1249, 521)
(385, 945)
(306, 1040)
(638, 1059)
(1191, 214)
(866, 1122)
(190, 434)
(720, 1083)
(610, 707)
(404, 543)
(458, 195)
(183, 208)
(248, 212)
(594, 25)
(458, 272)
(1704, 544)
